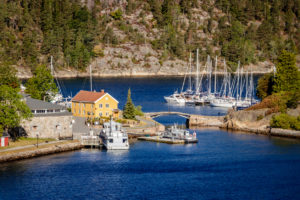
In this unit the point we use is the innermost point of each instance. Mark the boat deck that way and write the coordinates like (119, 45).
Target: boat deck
(167, 140)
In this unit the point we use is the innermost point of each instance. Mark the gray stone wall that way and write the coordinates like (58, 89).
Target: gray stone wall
(49, 126)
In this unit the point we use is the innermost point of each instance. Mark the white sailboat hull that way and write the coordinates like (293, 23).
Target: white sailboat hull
(222, 103)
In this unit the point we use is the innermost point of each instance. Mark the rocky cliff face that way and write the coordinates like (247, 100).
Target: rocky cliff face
(252, 121)
(134, 53)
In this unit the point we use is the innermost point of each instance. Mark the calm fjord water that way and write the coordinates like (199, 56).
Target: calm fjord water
(223, 165)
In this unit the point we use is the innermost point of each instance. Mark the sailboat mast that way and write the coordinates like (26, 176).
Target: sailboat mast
(247, 85)
(91, 82)
(209, 70)
(225, 79)
(215, 90)
(238, 81)
(190, 77)
(197, 73)
(51, 66)
(183, 83)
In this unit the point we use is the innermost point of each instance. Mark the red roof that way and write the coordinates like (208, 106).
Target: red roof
(87, 96)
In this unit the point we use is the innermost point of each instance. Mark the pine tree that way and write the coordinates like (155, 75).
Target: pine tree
(129, 109)
(287, 76)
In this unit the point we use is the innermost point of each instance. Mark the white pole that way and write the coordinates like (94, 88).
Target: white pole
(51, 66)
(215, 91)
(225, 79)
(190, 77)
(210, 70)
(197, 75)
(91, 82)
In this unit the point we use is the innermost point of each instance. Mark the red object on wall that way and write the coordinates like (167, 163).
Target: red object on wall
(4, 141)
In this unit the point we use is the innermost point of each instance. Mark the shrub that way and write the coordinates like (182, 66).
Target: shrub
(285, 121)
(117, 14)
(138, 111)
(277, 102)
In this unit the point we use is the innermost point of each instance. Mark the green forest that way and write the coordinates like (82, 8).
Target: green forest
(247, 30)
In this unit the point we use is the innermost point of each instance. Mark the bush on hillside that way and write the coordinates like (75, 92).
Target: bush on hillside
(275, 102)
(285, 121)
(265, 86)
(117, 14)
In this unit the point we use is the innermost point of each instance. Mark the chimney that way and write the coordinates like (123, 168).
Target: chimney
(102, 90)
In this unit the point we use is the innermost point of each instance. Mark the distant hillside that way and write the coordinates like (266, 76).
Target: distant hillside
(145, 36)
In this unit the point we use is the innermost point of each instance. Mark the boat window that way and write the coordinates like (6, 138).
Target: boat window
(124, 140)
(111, 140)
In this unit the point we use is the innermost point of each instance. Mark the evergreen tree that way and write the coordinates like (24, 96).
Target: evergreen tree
(287, 77)
(265, 86)
(129, 109)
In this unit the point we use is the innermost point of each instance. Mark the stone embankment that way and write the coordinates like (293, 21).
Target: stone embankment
(254, 121)
(35, 152)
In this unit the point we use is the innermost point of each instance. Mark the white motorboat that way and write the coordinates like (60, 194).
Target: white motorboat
(114, 137)
(175, 99)
(175, 133)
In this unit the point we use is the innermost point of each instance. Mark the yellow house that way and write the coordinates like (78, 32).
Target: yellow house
(94, 104)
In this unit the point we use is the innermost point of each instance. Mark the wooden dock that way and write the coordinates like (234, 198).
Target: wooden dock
(90, 141)
(162, 140)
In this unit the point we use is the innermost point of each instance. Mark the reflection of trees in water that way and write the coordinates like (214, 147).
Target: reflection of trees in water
(284, 142)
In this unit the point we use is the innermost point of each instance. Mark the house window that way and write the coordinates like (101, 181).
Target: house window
(79, 111)
(49, 111)
(84, 112)
(107, 105)
(79, 104)
(92, 106)
(100, 105)
(89, 113)
(100, 114)
(84, 105)
(107, 114)
(34, 128)
(40, 111)
(33, 111)
(74, 110)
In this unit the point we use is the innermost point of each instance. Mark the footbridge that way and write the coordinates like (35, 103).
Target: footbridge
(158, 114)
